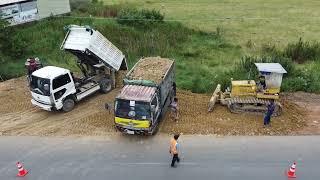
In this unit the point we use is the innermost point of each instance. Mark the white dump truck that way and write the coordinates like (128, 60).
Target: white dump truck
(55, 88)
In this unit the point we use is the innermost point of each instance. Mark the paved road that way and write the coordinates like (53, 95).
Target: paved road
(135, 158)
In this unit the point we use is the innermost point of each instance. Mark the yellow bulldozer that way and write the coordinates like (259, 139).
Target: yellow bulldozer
(250, 96)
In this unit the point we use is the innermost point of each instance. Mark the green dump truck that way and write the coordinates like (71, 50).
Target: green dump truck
(145, 96)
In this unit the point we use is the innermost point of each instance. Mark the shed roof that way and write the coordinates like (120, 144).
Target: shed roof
(137, 93)
(4, 2)
(270, 67)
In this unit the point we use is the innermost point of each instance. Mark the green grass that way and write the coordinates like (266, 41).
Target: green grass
(198, 54)
(207, 51)
(281, 21)
(41, 39)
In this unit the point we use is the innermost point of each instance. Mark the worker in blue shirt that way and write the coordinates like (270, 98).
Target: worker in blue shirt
(270, 110)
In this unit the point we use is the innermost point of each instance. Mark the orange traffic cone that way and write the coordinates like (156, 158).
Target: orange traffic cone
(22, 172)
(292, 171)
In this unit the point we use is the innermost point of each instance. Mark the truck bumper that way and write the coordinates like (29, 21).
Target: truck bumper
(42, 106)
(129, 130)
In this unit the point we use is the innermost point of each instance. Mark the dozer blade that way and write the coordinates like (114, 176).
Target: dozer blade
(214, 98)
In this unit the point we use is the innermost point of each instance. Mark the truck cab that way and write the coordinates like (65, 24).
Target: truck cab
(137, 109)
(51, 87)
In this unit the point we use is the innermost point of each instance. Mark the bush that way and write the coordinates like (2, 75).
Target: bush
(101, 10)
(12, 43)
(312, 77)
(271, 50)
(135, 17)
(303, 51)
(80, 5)
(94, 8)
(3, 23)
(293, 84)
(246, 63)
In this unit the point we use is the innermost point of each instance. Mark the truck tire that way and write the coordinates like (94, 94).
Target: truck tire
(68, 105)
(105, 85)
(155, 130)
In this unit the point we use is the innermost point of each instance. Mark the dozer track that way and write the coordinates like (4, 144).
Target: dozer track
(252, 105)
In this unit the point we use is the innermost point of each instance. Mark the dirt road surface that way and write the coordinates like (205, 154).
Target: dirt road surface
(18, 117)
(311, 104)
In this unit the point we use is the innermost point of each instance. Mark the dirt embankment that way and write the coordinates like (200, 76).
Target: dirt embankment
(18, 117)
(311, 104)
(196, 120)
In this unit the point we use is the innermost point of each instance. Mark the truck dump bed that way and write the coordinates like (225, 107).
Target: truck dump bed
(153, 72)
(151, 69)
(87, 43)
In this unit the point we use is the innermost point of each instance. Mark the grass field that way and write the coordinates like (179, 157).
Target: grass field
(208, 41)
(256, 21)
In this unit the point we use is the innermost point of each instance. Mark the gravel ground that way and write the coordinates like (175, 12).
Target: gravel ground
(89, 118)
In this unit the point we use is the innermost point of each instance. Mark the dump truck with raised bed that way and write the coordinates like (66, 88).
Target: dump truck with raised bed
(249, 96)
(146, 94)
(55, 88)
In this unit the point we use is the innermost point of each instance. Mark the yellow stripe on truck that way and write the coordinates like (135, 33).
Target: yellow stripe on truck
(134, 123)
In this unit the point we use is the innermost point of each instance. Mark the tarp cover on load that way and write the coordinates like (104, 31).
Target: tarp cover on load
(140, 82)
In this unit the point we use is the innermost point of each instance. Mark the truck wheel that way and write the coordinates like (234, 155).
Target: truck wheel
(155, 130)
(68, 105)
(105, 85)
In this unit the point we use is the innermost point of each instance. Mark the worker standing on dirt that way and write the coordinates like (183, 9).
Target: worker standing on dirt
(32, 64)
(174, 89)
(174, 109)
(174, 149)
(267, 117)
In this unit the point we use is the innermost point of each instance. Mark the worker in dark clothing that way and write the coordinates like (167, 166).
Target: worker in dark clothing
(32, 64)
(270, 110)
(174, 149)
(174, 89)
(262, 84)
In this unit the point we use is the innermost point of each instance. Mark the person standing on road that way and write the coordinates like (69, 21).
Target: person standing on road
(267, 117)
(174, 149)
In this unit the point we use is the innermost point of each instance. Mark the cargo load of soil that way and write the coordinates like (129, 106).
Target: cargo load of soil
(150, 68)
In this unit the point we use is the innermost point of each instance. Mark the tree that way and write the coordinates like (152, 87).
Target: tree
(3, 22)
(3, 25)
(10, 44)
(3, 39)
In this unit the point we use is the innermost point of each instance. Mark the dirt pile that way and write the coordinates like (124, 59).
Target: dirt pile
(151, 68)
(18, 117)
(120, 75)
(311, 104)
(194, 119)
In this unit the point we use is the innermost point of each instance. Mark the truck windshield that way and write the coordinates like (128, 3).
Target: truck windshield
(140, 110)
(40, 85)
